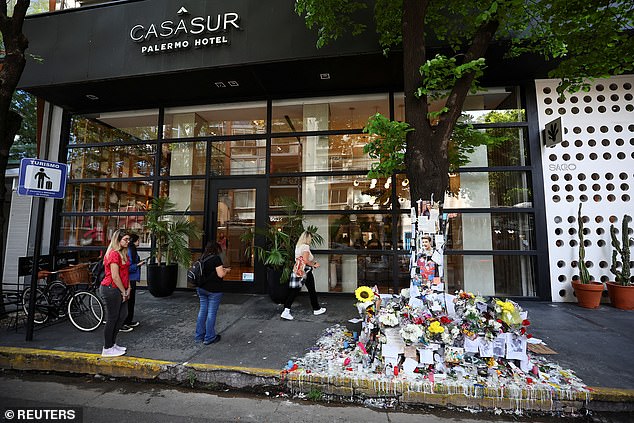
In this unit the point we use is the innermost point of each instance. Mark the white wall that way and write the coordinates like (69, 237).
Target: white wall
(594, 166)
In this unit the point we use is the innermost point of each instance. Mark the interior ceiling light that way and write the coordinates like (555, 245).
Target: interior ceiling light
(220, 84)
(234, 83)
(92, 97)
(324, 76)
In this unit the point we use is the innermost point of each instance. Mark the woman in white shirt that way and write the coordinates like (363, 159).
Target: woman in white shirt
(302, 249)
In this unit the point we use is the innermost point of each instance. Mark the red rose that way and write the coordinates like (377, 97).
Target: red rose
(526, 322)
(523, 331)
(444, 320)
(529, 336)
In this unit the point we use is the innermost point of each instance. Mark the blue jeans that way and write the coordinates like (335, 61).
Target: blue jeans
(206, 322)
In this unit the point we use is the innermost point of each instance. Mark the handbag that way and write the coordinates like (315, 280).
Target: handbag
(298, 268)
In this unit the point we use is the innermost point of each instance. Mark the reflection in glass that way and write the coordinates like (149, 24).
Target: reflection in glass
(184, 158)
(344, 192)
(489, 189)
(486, 231)
(115, 196)
(112, 161)
(512, 152)
(236, 215)
(327, 113)
(243, 157)
(491, 275)
(319, 153)
(215, 120)
(132, 126)
(187, 194)
(347, 272)
(493, 105)
(354, 231)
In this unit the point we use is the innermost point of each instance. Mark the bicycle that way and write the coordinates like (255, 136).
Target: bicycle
(70, 294)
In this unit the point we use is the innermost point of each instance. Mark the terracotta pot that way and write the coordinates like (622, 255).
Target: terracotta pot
(588, 294)
(621, 296)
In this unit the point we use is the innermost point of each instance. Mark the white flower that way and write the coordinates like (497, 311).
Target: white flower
(411, 333)
(388, 319)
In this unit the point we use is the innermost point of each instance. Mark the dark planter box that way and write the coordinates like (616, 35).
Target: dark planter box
(277, 291)
(161, 279)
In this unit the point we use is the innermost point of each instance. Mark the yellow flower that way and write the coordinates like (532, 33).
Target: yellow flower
(506, 306)
(435, 327)
(364, 294)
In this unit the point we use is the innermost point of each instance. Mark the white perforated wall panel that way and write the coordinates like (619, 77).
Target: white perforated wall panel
(594, 166)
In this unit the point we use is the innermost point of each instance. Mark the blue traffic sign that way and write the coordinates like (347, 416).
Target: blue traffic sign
(41, 178)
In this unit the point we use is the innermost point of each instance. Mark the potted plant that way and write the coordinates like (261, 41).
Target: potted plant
(170, 234)
(276, 249)
(621, 291)
(587, 291)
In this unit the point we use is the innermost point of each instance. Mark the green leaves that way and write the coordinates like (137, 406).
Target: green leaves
(332, 18)
(387, 145)
(441, 73)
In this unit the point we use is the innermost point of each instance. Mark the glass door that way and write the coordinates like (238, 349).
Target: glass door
(237, 207)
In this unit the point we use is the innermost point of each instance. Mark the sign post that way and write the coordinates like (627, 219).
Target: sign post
(42, 179)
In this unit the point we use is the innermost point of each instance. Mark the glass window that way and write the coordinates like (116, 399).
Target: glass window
(112, 161)
(131, 126)
(491, 275)
(327, 113)
(512, 152)
(489, 189)
(114, 196)
(184, 158)
(491, 231)
(243, 157)
(319, 153)
(215, 120)
(187, 194)
(348, 272)
(353, 231)
(492, 105)
(345, 192)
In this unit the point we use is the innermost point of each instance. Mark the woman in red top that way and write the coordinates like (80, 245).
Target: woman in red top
(115, 291)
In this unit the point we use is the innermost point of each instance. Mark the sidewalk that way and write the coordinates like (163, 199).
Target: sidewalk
(256, 344)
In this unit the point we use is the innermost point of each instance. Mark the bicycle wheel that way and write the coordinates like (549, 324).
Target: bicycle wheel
(42, 305)
(85, 311)
(57, 292)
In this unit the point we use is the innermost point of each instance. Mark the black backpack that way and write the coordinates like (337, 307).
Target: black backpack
(195, 272)
(98, 271)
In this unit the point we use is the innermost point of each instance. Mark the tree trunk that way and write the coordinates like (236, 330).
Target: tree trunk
(426, 164)
(427, 161)
(15, 43)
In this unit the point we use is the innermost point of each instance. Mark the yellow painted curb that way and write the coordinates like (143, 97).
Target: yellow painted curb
(76, 362)
(611, 394)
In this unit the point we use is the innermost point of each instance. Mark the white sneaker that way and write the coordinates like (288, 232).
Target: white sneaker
(111, 352)
(286, 314)
(120, 348)
(320, 311)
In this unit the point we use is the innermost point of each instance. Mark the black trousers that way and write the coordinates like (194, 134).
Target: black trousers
(131, 302)
(312, 293)
(116, 312)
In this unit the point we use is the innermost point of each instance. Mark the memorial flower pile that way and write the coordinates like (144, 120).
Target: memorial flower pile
(470, 341)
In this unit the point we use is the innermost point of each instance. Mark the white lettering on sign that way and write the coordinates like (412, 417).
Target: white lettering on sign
(222, 22)
(562, 167)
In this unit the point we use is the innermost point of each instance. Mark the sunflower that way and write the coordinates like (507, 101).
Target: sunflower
(364, 294)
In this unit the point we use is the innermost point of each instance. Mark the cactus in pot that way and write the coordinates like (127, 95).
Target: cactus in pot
(587, 291)
(622, 249)
(621, 291)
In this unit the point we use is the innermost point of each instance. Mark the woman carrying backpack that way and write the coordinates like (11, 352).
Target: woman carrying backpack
(210, 293)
